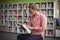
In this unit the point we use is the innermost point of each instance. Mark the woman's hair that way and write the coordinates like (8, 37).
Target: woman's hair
(33, 6)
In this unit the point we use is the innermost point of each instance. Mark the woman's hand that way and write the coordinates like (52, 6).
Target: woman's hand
(30, 27)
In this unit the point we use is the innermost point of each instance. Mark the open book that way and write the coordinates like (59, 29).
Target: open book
(26, 28)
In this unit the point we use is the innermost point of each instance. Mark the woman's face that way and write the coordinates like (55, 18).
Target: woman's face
(32, 11)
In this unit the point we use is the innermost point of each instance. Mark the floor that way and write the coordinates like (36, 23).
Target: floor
(13, 36)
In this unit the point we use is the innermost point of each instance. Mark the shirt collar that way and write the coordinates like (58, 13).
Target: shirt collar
(36, 14)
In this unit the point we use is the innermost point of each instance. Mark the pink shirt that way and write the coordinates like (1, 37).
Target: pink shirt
(39, 24)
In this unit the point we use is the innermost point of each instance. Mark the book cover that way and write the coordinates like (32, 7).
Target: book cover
(37, 5)
(19, 6)
(10, 6)
(14, 6)
(1, 6)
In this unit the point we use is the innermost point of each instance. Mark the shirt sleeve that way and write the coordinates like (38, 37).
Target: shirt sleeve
(43, 24)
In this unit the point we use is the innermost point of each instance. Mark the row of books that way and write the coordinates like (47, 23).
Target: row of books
(50, 25)
(8, 23)
(13, 29)
(15, 18)
(49, 32)
(50, 19)
(8, 29)
(25, 12)
(25, 5)
(48, 12)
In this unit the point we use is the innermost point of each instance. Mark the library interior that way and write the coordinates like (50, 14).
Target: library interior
(15, 12)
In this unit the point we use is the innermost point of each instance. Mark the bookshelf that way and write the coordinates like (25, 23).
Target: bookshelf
(12, 14)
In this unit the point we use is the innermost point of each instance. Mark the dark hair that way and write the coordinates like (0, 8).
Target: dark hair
(33, 6)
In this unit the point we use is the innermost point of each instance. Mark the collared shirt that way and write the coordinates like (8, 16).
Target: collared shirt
(39, 24)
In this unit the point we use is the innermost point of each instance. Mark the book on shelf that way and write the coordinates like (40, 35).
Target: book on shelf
(43, 11)
(1, 17)
(15, 17)
(1, 28)
(50, 12)
(1, 23)
(18, 29)
(50, 27)
(6, 23)
(29, 14)
(1, 6)
(5, 18)
(5, 7)
(14, 12)
(50, 32)
(19, 6)
(48, 18)
(51, 18)
(45, 32)
(15, 6)
(37, 5)
(4, 28)
(9, 29)
(14, 29)
(19, 12)
(50, 4)
(14, 23)
(28, 18)
(19, 17)
(25, 12)
(25, 6)
(1, 12)
(10, 17)
(5, 12)
(20, 21)
(43, 5)
(24, 19)
(10, 12)
(10, 23)
(10, 6)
